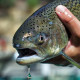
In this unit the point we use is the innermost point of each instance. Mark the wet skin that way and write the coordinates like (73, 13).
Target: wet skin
(45, 36)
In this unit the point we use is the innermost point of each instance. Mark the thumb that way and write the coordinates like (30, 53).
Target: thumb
(69, 20)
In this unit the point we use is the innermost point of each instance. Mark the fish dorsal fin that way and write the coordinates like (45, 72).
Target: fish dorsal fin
(70, 60)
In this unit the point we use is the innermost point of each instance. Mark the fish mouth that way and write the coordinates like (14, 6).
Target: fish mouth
(27, 56)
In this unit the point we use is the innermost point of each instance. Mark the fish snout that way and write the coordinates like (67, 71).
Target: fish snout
(16, 45)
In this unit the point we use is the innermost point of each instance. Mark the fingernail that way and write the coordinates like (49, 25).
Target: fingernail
(60, 9)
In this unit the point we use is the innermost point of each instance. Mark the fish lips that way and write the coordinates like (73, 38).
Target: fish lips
(27, 56)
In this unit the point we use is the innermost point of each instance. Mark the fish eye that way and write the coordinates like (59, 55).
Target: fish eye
(41, 38)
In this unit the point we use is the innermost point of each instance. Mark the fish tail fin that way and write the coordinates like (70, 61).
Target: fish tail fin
(70, 60)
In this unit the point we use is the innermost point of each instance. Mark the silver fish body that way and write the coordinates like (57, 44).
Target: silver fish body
(42, 36)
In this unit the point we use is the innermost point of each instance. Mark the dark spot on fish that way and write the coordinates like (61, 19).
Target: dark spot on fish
(43, 20)
(17, 38)
(49, 24)
(41, 12)
(39, 16)
(49, 28)
(33, 27)
(47, 11)
(48, 14)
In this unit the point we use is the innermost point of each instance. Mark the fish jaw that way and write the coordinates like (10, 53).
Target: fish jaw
(28, 56)
(26, 60)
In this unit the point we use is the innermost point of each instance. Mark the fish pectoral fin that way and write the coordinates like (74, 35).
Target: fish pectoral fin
(70, 60)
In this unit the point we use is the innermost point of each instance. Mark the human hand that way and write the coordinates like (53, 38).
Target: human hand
(73, 25)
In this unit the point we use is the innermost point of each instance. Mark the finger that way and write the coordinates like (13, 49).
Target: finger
(69, 20)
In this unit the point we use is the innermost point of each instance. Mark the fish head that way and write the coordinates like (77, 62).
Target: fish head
(37, 40)
(40, 37)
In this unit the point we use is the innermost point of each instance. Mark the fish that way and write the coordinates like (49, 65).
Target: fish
(42, 36)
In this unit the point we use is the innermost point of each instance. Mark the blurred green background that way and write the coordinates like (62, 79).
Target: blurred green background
(12, 14)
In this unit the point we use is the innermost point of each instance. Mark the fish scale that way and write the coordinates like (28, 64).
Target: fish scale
(44, 34)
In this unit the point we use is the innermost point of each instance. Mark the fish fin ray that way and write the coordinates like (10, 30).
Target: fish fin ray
(70, 60)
